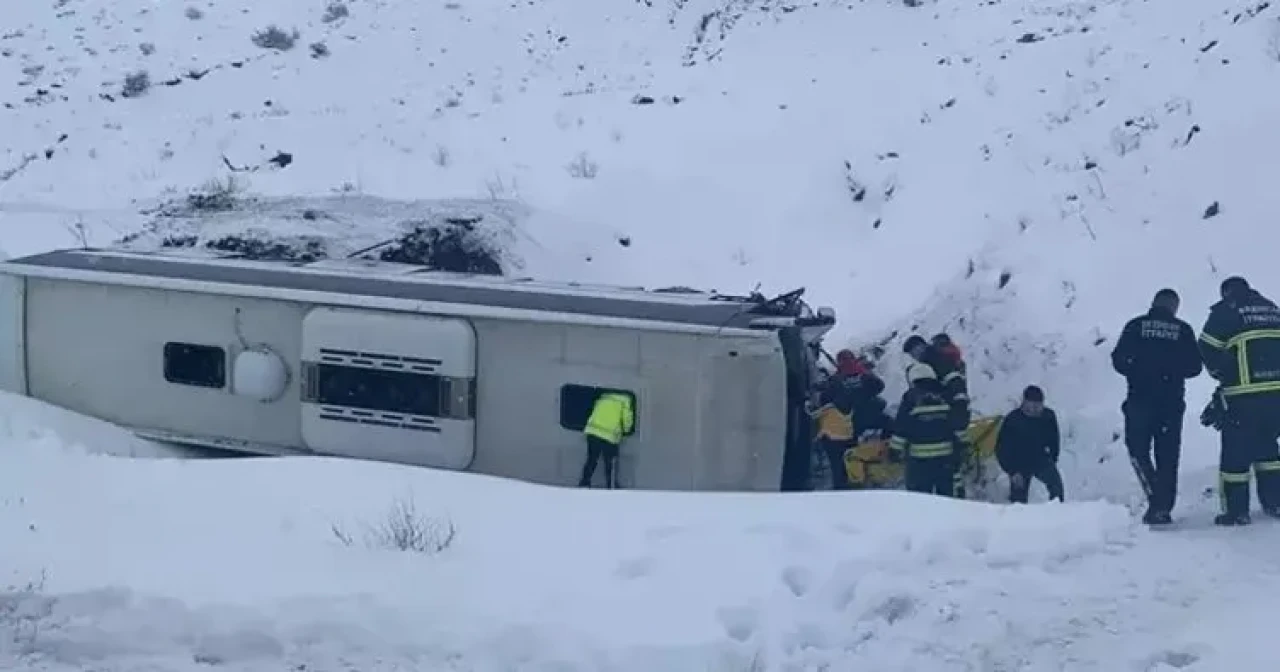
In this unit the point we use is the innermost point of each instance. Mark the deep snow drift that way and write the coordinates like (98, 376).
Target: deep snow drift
(119, 564)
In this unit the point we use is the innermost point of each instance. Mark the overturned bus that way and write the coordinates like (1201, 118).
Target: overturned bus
(392, 362)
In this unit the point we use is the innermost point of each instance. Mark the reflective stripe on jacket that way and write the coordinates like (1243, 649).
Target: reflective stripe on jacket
(1240, 345)
(924, 427)
(612, 417)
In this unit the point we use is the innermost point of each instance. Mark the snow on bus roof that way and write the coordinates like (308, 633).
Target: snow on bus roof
(359, 277)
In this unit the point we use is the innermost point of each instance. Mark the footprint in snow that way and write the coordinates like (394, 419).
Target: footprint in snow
(663, 533)
(846, 528)
(797, 579)
(739, 623)
(635, 568)
(1168, 661)
(894, 608)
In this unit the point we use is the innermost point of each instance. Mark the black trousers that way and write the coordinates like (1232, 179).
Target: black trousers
(1153, 435)
(1249, 440)
(1046, 473)
(932, 475)
(835, 458)
(960, 464)
(598, 448)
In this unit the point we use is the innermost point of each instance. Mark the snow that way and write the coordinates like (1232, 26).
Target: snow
(237, 561)
(1023, 175)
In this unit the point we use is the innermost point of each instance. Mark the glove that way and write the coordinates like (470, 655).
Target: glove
(895, 456)
(1215, 412)
(1208, 417)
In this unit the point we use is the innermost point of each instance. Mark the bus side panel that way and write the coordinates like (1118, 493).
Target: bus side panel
(13, 334)
(744, 428)
(797, 468)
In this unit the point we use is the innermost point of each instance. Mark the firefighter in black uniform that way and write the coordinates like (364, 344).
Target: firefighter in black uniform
(955, 391)
(1240, 345)
(924, 434)
(1156, 353)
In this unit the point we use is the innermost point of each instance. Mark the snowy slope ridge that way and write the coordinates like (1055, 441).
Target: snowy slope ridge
(1023, 174)
(117, 564)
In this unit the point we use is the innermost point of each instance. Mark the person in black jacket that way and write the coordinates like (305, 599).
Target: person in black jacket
(951, 376)
(1240, 345)
(848, 404)
(1157, 354)
(833, 412)
(924, 434)
(943, 357)
(1028, 446)
(869, 409)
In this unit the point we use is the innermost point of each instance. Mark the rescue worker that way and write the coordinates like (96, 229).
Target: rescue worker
(869, 407)
(835, 429)
(843, 400)
(612, 418)
(1028, 446)
(870, 416)
(924, 434)
(943, 356)
(849, 365)
(947, 348)
(946, 362)
(1156, 353)
(1240, 345)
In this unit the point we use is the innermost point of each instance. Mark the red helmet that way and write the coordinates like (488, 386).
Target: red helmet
(849, 364)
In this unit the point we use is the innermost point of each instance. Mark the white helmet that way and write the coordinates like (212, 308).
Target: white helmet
(920, 371)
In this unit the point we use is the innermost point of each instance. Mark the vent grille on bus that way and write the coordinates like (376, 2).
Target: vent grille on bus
(378, 418)
(377, 360)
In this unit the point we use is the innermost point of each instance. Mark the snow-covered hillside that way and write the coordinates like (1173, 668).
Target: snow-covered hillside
(1022, 174)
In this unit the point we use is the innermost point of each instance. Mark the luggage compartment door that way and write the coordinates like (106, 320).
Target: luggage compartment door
(389, 386)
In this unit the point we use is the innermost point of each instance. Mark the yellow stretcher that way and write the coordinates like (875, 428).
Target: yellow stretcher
(868, 466)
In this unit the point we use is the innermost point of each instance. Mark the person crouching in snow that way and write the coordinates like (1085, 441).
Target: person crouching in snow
(924, 434)
(1028, 446)
(612, 418)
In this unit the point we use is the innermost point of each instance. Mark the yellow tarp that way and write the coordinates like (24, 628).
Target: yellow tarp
(982, 433)
(868, 465)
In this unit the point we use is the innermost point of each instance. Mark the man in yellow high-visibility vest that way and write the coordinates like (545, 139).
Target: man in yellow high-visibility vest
(612, 418)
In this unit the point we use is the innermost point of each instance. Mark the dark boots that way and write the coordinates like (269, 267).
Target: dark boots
(1233, 496)
(1232, 519)
(1249, 452)
(1233, 492)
